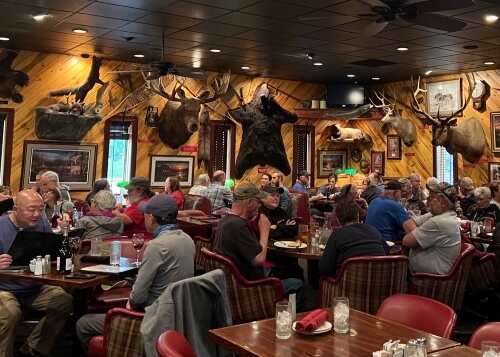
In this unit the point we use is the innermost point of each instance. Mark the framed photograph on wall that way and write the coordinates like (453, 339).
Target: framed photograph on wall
(163, 166)
(377, 162)
(444, 97)
(73, 162)
(331, 161)
(495, 131)
(494, 171)
(393, 147)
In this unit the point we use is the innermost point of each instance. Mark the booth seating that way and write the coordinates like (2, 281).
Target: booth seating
(197, 202)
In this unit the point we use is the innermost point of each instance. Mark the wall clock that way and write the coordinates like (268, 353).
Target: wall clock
(364, 166)
(356, 155)
(478, 94)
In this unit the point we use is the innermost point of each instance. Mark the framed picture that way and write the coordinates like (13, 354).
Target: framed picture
(495, 131)
(494, 171)
(163, 166)
(73, 162)
(377, 162)
(444, 97)
(393, 147)
(331, 161)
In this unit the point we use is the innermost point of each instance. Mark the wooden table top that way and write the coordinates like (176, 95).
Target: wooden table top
(461, 351)
(198, 221)
(367, 334)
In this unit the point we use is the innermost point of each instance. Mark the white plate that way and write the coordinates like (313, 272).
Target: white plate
(321, 246)
(327, 326)
(389, 243)
(56, 230)
(284, 244)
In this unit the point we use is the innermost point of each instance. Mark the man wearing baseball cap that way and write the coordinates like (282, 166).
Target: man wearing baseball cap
(387, 215)
(435, 242)
(236, 240)
(302, 183)
(167, 258)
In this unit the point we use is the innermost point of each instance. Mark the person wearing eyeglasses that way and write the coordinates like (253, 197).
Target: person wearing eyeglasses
(483, 207)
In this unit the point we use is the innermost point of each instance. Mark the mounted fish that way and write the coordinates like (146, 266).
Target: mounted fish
(11, 78)
(356, 113)
(179, 118)
(262, 143)
(204, 137)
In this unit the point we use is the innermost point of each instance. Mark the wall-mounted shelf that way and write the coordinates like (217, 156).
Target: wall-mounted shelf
(373, 114)
(348, 141)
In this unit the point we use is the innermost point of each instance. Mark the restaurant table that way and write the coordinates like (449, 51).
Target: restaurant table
(205, 223)
(458, 351)
(367, 334)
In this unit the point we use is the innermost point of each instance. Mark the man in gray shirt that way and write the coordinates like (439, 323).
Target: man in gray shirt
(168, 258)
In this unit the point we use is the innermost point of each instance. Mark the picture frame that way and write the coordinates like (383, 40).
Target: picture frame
(494, 171)
(163, 166)
(331, 161)
(393, 147)
(74, 162)
(445, 97)
(377, 162)
(495, 131)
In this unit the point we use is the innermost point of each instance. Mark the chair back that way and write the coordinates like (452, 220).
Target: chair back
(173, 344)
(420, 313)
(191, 213)
(299, 206)
(447, 288)
(366, 281)
(199, 243)
(484, 272)
(487, 332)
(249, 300)
(197, 202)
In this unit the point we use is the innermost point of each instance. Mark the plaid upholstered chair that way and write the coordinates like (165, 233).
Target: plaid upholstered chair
(250, 300)
(366, 281)
(199, 259)
(197, 202)
(446, 288)
(122, 335)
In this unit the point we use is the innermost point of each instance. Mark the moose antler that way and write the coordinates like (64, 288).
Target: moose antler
(220, 87)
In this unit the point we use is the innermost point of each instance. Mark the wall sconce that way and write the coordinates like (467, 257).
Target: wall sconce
(152, 117)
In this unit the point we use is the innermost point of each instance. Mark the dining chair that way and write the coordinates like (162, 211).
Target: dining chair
(420, 313)
(199, 259)
(299, 206)
(121, 337)
(197, 202)
(366, 281)
(249, 300)
(189, 229)
(447, 288)
(173, 344)
(487, 332)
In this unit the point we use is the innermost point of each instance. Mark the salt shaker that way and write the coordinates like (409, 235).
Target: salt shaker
(411, 349)
(422, 347)
(38, 265)
(48, 262)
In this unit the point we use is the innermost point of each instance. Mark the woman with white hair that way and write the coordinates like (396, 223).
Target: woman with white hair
(483, 207)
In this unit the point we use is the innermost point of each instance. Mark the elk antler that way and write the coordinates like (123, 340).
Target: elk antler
(220, 87)
(415, 105)
(472, 85)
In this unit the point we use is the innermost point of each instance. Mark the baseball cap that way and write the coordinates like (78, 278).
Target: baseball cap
(393, 185)
(466, 182)
(138, 182)
(247, 190)
(303, 173)
(273, 189)
(161, 205)
(446, 189)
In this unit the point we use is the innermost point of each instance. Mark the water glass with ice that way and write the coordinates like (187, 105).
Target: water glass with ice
(283, 320)
(474, 229)
(115, 253)
(490, 349)
(341, 314)
(95, 246)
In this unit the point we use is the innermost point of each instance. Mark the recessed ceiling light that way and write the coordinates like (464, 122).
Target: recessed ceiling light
(491, 18)
(351, 75)
(138, 55)
(4, 39)
(318, 64)
(79, 31)
(428, 72)
(245, 67)
(489, 63)
(214, 50)
(376, 78)
(402, 48)
(40, 17)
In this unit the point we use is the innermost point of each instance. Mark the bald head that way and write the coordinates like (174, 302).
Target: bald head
(28, 209)
(219, 176)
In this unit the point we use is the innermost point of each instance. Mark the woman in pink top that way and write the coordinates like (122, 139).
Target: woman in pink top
(172, 188)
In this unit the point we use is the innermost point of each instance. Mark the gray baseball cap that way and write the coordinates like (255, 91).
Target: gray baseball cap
(161, 205)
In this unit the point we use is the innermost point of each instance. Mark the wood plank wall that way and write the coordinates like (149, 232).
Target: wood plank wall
(50, 71)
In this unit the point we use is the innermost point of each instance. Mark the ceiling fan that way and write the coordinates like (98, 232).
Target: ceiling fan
(418, 13)
(157, 69)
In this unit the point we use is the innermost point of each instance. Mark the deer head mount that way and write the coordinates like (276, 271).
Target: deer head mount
(179, 118)
(447, 133)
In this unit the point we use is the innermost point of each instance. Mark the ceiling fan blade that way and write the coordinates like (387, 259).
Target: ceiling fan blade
(151, 75)
(129, 71)
(372, 29)
(188, 72)
(442, 5)
(437, 22)
(372, 3)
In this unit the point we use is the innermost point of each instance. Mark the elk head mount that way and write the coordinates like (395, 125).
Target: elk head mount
(467, 139)
(179, 119)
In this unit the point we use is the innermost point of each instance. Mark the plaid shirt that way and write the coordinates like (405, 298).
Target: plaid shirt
(216, 193)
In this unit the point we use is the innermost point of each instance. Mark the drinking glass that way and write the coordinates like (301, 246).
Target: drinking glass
(341, 314)
(137, 242)
(474, 229)
(283, 320)
(490, 349)
(303, 232)
(74, 246)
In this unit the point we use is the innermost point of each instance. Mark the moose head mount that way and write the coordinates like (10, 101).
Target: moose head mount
(467, 139)
(179, 117)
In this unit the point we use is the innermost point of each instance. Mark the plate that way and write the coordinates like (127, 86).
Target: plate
(284, 244)
(389, 243)
(321, 246)
(327, 326)
(56, 230)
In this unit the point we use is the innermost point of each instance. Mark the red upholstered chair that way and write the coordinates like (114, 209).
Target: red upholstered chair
(173, 344)
(197, 202)
(122, 335)
(366, 281)
(447, 288)
(420, 313)
(250, 300)
(299, 206)
(487, 332)
(191, 213)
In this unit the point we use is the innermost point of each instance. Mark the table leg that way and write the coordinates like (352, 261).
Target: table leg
(313, 272)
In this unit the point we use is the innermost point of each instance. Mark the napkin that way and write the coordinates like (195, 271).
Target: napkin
(312, 321)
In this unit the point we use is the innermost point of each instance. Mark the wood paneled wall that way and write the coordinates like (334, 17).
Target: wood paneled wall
(50, 71)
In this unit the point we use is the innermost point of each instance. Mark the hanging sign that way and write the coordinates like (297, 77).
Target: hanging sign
(189, 148)
(262, 170)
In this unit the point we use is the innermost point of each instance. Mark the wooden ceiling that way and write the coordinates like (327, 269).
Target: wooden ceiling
(269, 36)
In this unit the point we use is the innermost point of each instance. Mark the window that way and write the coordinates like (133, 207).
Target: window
(6, 136)
(445, 165)
(303, 151)
(223, 139)
(119, 154)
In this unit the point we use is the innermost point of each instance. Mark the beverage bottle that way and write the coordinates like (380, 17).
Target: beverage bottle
(64, 263)
(459, 211)
(327, 229)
